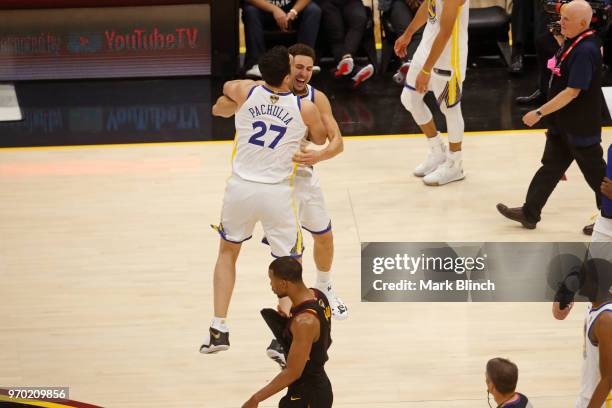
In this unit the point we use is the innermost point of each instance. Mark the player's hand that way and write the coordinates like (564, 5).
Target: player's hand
(401, 44)
(282, 312)
(531, 118)
(251, 403)
(561, 314)
(422, 82)
(606, 187)
(281, 18)
(308, 157)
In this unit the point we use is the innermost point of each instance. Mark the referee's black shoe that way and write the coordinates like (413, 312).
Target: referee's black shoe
(217, 341)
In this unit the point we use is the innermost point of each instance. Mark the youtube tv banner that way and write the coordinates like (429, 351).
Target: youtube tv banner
(105, 42)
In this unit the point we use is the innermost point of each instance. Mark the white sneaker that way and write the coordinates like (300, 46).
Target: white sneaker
(363, 75)
(345, 67)
(253, 72)
(447, 172)
(338, 307)
(434, 159)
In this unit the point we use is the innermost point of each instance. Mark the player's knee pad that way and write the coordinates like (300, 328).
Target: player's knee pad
(454, 122)
(414, 103)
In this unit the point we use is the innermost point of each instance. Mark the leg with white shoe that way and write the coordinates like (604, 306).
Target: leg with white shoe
(323, 257)
(414, 103)
(452, 168)
(315, 219)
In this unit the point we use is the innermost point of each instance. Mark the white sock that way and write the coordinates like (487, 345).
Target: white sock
(323, 278)
(219, 323)
(435, 143)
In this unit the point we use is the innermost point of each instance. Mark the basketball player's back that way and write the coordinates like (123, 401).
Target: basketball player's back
(269, 127)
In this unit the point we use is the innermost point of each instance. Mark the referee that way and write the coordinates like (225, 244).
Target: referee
(573, 115)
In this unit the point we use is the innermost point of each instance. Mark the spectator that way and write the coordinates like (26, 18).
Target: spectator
(345, 22)
(259, 15)
(528, 22)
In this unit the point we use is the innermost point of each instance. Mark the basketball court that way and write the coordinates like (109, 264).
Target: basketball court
(106, 260)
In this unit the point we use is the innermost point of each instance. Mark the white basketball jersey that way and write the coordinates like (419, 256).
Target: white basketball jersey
(454, 56)
(310, 94)
(269, 128)
(590, 364)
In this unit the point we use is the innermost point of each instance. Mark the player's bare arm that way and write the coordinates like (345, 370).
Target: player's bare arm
(447, 22)
(417, 22)
(238, 90)
(224, 107)
(336, 144)
(312, 119)
(603, 334)
(305, 330)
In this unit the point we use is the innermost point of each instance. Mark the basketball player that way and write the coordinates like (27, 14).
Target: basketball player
(270, 122)
(602, 230)
(439, 65)
(313, 213)
(306, 333)
(501, 377)
(596, 284)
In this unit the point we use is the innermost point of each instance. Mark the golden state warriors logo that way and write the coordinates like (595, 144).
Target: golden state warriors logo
(273, 98)
(431, 11)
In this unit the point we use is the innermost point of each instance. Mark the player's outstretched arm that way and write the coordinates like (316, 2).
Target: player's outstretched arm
(237, 90)
(603, 333)
(419, 20)
(312, 119)
(305, 330)
(224, 107)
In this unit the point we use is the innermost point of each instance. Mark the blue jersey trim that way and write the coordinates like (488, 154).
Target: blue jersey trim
(329, 227)
(251, 91)
(593, 324)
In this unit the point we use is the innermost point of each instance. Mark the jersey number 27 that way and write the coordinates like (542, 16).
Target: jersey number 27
(263, 129)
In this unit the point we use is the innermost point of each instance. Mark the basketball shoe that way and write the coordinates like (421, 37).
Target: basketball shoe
(449, 171)
(338, 307)
(276, 352)
(216, 341)
(436, 156)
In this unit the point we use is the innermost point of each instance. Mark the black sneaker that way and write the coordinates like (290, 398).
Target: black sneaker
(217, 341)
(275, 352)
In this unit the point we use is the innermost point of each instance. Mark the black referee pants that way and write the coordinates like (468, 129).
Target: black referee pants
(559, 153)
